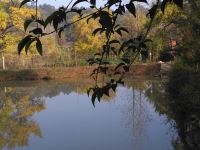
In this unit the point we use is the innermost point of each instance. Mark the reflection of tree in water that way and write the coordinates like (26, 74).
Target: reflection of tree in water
(136, 108)
(17, 109)
(16, 123)
(19, 102)
(139, 111)
(182, 106)
(39, 89)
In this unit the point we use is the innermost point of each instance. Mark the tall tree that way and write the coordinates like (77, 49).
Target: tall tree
(11, 24)
(85, 43)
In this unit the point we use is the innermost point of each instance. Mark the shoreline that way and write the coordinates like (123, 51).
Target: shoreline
(136, 71)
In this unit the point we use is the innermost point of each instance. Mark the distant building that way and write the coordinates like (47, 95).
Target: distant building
(172, 43)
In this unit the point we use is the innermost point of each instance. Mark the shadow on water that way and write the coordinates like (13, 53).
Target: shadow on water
(19, 102)
(182, 109)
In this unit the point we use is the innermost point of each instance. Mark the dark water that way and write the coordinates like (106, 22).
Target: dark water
(60, 116)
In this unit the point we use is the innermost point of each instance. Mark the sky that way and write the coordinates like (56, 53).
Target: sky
(58, 3)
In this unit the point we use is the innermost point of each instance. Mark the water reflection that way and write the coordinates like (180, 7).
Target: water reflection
(142, 108)
(183, 111)
(16, 123)
(136, 111)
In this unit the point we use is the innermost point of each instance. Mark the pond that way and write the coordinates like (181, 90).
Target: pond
(58, 115)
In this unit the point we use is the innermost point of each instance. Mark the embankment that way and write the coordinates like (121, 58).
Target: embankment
(72, 72)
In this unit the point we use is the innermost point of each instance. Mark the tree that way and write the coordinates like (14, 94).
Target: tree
(85, 43)
(107, 17)
(163, 30)
(135, 25)
(182, 25)
(11, 31)
(11, 24)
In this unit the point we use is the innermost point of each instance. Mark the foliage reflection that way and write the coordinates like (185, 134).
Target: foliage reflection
(19, 102)
(16, 123)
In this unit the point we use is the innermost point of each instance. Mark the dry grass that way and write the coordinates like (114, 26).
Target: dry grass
(71, 72)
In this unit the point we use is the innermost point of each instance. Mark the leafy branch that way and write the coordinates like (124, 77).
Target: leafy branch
(107, 17)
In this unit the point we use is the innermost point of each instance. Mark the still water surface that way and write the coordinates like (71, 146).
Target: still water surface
(60, 116)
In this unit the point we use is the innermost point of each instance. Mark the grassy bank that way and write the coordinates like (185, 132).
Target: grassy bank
(71, 72)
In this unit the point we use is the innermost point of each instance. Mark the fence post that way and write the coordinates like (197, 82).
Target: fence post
(4, 67)
(31, 63)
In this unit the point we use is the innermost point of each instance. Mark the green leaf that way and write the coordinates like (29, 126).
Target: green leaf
(39, 46)
(110, 3)
(144, 54)
(114, 87)
(54, 16)
(93, 2)
(55, 24)
(114, 42)
(41, 22)
(119, 65)
(131, 8)
(23, 43)
(60, 32)
(94, 16)
(88, 91)
(178, 3)
(120, 10)
(96, 31)
(105, 20)
(24, 2)
(93, 98)
(152, 11)
(122, 29)
(148, 40)
(163, 5)
(143, 1)
(27, 23)
(78, 11)
(28, 45)
(77, 2)
(37, 31)
(126, 68)
(119, 30)
(126, 60)
(106, 91)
